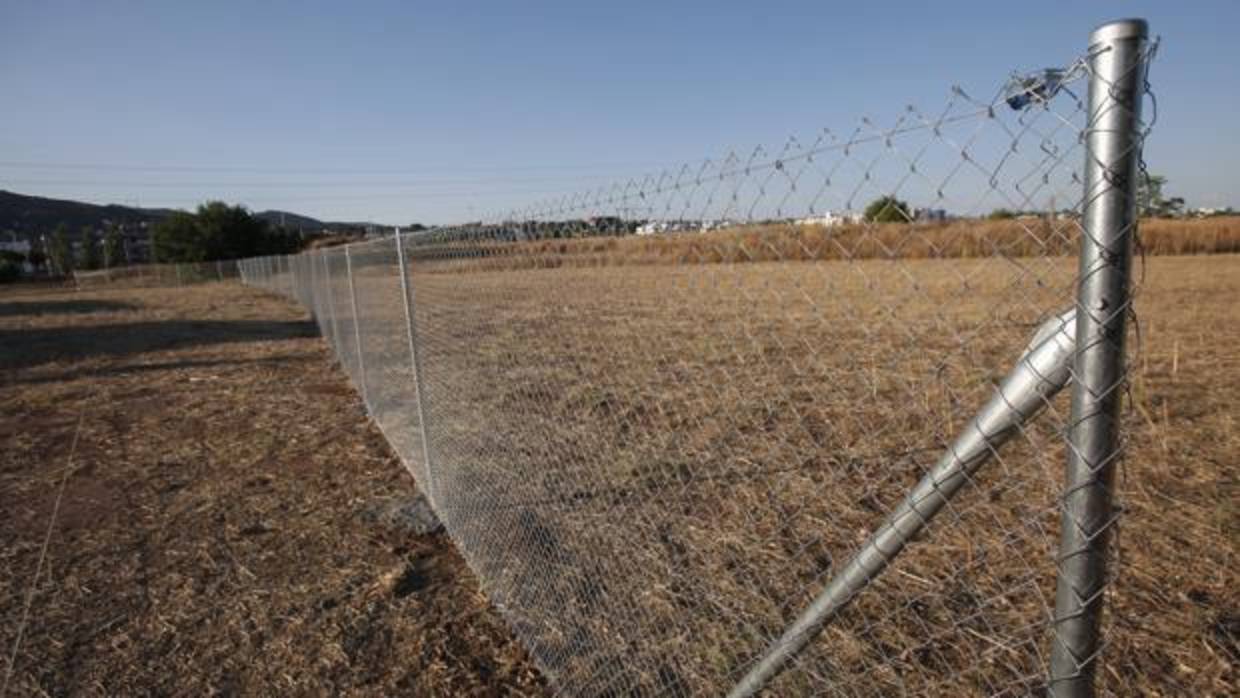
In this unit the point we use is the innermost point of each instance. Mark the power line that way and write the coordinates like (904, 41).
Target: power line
(115, 184)
(126, 167)
(196, 199)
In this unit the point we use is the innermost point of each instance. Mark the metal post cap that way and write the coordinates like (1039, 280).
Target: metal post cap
(1134, 28)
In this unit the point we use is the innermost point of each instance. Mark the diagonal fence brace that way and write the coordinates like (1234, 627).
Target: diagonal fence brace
(1042, 371)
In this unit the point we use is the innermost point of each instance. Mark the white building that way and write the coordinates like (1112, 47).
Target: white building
(717, 224)
(1206, 212)
(830, 219)
(14, 244)
(683, 226)
(669, 226)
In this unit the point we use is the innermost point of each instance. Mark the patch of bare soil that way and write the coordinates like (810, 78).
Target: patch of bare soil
(226, 522)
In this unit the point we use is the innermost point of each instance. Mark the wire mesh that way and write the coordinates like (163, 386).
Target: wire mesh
(660, 416)
(391, 386)
(344, 333)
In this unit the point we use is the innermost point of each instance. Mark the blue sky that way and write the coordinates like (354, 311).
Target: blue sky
(436, 112)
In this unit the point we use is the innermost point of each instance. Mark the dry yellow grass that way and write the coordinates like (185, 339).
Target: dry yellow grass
(652, 468)
(1032, 237)
(679, 453)
(1199, 236)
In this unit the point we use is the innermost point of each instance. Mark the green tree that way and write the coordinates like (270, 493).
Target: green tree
(36, 256)
(280, 240)
(177, 238)
(60, 251)
(113, 248)
(10, 266)
(218, 231)
(1149, 192)
(88, 250)
(1001, 214)
(888, 209)
(230, 231)
(1152, 202)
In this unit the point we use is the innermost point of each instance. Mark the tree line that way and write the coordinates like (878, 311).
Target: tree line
(214, 231)
(218, 231)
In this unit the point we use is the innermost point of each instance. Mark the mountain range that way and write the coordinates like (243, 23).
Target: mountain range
(28, 215)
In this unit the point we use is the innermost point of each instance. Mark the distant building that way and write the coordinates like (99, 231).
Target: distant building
(717, 224)
(670, 226)
(830, 219)
(15, 244)
(1206, 212)
(930, 215)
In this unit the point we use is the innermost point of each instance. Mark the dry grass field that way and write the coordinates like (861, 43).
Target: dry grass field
(651, 468)
(681, 453)
(964, 238)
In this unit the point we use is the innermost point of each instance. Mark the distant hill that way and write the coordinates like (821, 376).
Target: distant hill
(297, 221)
(292, 220)
(27, 215)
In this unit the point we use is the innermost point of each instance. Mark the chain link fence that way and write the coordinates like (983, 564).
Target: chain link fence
(789, 420)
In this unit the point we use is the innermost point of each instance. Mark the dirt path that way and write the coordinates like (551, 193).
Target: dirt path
(220, 527)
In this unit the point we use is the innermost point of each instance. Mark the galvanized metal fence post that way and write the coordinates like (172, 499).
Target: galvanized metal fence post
(411, 329)
(316, 301)
(1113, 150)
(299, 278)
(320, 285)
(312, 278)
(317, 286)
(357, 326)
(331, 308)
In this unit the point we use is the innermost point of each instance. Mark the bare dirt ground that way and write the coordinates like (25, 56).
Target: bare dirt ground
(222, 524)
